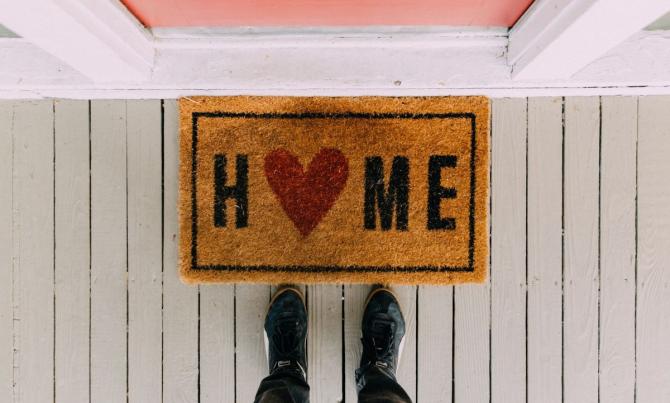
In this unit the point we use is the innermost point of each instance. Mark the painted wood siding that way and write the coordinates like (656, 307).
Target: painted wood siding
(575, 309)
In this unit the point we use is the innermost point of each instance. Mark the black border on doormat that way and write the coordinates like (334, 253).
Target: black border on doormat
(330, 269)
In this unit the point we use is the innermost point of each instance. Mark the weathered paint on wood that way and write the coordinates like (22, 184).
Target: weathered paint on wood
(324, 341)
(435, 343)
(6, 253)
(210, 338)
(653, 251)
(508, 250)
(73, 250)
(145, 286)
(581, 258)
(33, 228)
(180, 302)
(617, 249)
(217, 345)
(544, 243)
(109, 257)
(251, 366)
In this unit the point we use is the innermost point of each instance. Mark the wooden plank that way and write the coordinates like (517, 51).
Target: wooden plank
(73, 248)
(544, 246)
(354, 300)
(406, 372)
(109, 289)
(217, 344)
(180, 302)
(251, 302)
(508, 250)
(653, 277)
(143, 122)
(34, 250)
(6, 254)
(471, 341)
(324, 342)
(617, 249)
(434, 343)
(581, 259)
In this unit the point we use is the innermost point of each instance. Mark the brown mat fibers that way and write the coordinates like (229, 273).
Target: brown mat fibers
(360, 189)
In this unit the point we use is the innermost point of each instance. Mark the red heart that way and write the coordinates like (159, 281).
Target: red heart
(306, 197)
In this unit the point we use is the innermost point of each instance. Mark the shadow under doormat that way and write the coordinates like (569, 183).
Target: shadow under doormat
(352, 189)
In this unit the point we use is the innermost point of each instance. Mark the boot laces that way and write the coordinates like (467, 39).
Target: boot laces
(380, 342)
(286, 341)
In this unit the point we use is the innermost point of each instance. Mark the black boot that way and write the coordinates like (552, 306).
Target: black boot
(286, 334)
(383, 330)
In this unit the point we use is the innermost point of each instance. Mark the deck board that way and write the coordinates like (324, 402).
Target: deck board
(109, 253)
(324, 306)
(581, 245)
(73, 250)
(617, 249)
(217, 356)
(544, 245)
(508, 250)
(435, 343)
(653, 276)
(145, 288)
(6, 253)
(180, 302)
(575, 309)
(33, 208)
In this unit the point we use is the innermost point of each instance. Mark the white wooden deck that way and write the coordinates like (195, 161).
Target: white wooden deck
(577, 308)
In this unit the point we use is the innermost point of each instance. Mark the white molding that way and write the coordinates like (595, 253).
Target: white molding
(556, 38)
(398, 66)
(99, 38)
(328, 37)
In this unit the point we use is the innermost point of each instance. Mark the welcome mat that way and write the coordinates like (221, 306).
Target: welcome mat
(360, 189)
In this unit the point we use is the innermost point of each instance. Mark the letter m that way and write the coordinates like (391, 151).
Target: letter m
(386, 201)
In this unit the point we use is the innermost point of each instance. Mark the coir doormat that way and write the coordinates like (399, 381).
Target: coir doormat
(361, 189)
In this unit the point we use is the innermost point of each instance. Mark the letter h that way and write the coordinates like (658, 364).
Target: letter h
(238, 192)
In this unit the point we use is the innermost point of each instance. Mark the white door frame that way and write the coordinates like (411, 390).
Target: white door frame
(97, 49)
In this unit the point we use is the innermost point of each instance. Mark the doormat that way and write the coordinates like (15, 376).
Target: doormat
(356, 189)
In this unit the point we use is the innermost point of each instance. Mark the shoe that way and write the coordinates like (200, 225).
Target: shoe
(286, 333)
(383, 332)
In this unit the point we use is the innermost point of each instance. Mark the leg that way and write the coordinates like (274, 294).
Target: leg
(286, 336)
(379, 387)
(383, 329)
(282, 388)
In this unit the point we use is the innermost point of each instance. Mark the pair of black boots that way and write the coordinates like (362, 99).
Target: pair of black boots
(383, 329)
